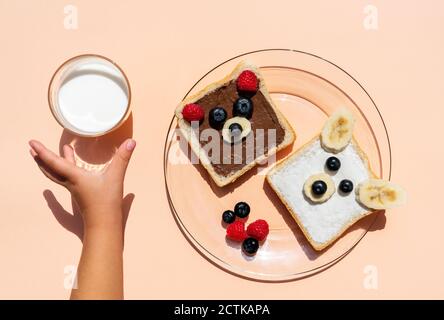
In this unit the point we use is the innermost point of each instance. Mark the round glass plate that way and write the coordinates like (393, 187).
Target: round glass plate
(306, 88)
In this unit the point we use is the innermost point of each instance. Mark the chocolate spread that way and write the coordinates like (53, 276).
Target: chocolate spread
(263, 117)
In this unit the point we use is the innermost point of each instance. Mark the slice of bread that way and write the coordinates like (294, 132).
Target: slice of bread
(321, 223)
(187, 132)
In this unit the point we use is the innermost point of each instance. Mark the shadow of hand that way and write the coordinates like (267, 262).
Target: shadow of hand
(73, 222)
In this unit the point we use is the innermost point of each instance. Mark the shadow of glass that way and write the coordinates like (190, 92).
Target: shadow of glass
(93, 153)
(73, 222)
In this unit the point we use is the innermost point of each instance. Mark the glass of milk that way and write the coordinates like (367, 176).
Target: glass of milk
(89, 95)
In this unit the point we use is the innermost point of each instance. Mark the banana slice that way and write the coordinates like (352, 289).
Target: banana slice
(235, 134)
(337, 131)
(319, 187)
(380, 194)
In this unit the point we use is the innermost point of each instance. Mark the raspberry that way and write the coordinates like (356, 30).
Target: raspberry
(258, 229)
(236, 231)
(193, 112)
(247, 81)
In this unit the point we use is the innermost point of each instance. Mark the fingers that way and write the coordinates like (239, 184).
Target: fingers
(50, 162)
(122, 157)
(47, 172)
(68, 154)
(33, 153)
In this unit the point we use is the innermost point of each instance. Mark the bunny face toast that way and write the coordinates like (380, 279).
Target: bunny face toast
(235, 112)
(327, 185)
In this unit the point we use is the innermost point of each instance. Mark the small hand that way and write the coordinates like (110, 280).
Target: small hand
(97, 194)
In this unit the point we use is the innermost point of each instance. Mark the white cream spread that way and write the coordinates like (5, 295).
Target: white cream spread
(325, 220)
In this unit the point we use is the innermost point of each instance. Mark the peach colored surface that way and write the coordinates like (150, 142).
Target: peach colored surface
(164, 48)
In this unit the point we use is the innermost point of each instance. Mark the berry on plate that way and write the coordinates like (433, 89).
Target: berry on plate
(228, 216)
(258, 229)
(193, 112)
(247, 81)
(236, 231)
(242, 209)
(250, 246)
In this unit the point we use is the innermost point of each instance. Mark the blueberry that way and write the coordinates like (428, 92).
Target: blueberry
(243, 107)
(217, 117)
(333, 164)
(228, 216)
(346, 186)
(250, 246)
(242, 209)
(235, 130)
(319, 187)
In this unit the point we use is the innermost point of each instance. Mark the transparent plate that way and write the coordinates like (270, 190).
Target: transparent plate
(306, 88)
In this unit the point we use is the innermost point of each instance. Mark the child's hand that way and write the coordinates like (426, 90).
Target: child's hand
(99, 198)
(97, 194)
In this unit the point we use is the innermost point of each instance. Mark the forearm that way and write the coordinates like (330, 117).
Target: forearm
(100, 270)
(99, 197)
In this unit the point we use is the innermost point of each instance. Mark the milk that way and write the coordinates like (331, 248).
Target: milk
(93, 96)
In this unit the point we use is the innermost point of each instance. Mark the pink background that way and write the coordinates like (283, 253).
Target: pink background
(164, 49)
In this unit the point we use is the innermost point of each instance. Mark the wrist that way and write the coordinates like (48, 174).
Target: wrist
(103, 226)
(103, 219)
(102, 233)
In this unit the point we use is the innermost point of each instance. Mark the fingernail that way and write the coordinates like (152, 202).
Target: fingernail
(130, 145)
(35, 145)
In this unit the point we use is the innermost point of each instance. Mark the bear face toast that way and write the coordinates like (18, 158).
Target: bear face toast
(327, 185)
(224, 122)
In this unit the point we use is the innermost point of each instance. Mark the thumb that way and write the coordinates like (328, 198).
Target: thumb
(122, 157)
